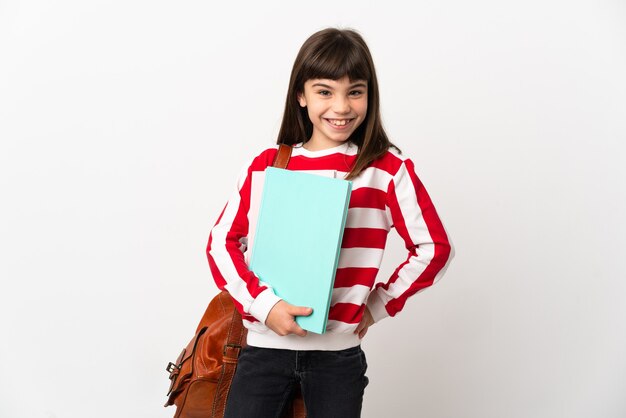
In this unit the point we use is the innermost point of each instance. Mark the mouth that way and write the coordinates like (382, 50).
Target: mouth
(339, 123)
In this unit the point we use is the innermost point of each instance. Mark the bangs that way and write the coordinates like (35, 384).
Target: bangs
(336, 59)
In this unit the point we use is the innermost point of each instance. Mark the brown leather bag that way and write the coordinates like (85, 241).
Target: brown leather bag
(201, 377)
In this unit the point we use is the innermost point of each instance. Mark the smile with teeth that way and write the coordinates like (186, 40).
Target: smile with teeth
(339, 122)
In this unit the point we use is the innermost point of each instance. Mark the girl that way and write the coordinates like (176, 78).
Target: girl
(332, 120)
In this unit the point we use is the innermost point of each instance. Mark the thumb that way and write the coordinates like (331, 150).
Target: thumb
(300, 311)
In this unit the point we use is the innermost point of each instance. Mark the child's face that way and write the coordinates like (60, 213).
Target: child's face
(336, 108)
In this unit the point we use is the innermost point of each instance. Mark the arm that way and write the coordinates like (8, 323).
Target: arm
(254, 299)
(225, 251)
(429, 249)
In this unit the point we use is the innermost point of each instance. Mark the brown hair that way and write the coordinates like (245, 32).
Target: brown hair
(332, 54)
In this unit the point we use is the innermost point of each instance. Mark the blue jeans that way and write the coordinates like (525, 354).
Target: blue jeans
(332, 382)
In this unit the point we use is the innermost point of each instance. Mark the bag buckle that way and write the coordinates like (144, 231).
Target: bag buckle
(171, 367)
(233, 346)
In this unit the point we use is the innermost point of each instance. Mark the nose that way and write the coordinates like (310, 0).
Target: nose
(341, 104)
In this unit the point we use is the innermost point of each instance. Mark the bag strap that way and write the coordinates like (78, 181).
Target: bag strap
(235, 333)
(230, 356)
(283, 156)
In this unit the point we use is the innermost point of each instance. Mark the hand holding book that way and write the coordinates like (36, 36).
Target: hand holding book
(282, 321)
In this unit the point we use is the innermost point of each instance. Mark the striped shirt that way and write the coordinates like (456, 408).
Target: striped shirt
(387, 194)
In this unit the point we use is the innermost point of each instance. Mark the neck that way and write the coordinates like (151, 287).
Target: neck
(312, 145)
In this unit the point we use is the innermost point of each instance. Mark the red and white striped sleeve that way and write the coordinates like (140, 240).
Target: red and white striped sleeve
(227, 244)
(429, 250)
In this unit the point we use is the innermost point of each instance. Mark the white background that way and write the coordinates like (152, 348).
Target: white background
(123, 125)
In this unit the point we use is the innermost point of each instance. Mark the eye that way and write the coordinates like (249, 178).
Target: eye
(324, 93)
(356, 92)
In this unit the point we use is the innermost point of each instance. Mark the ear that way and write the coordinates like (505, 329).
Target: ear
(301, 99)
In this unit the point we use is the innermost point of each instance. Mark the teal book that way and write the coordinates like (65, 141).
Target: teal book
(298, 239)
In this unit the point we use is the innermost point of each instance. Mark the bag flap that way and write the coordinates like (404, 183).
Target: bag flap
(183, 369)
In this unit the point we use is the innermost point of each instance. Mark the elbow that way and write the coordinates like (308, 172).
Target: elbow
(444, 253)
(214, 243)
(209, 249)
(213, 254)
(451, 252)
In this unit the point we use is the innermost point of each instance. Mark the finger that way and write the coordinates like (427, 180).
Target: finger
(300, 311)
(296, 329)
(362, 333)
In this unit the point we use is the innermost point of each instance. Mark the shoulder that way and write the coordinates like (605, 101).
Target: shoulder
(262, 158)
(392, 162)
